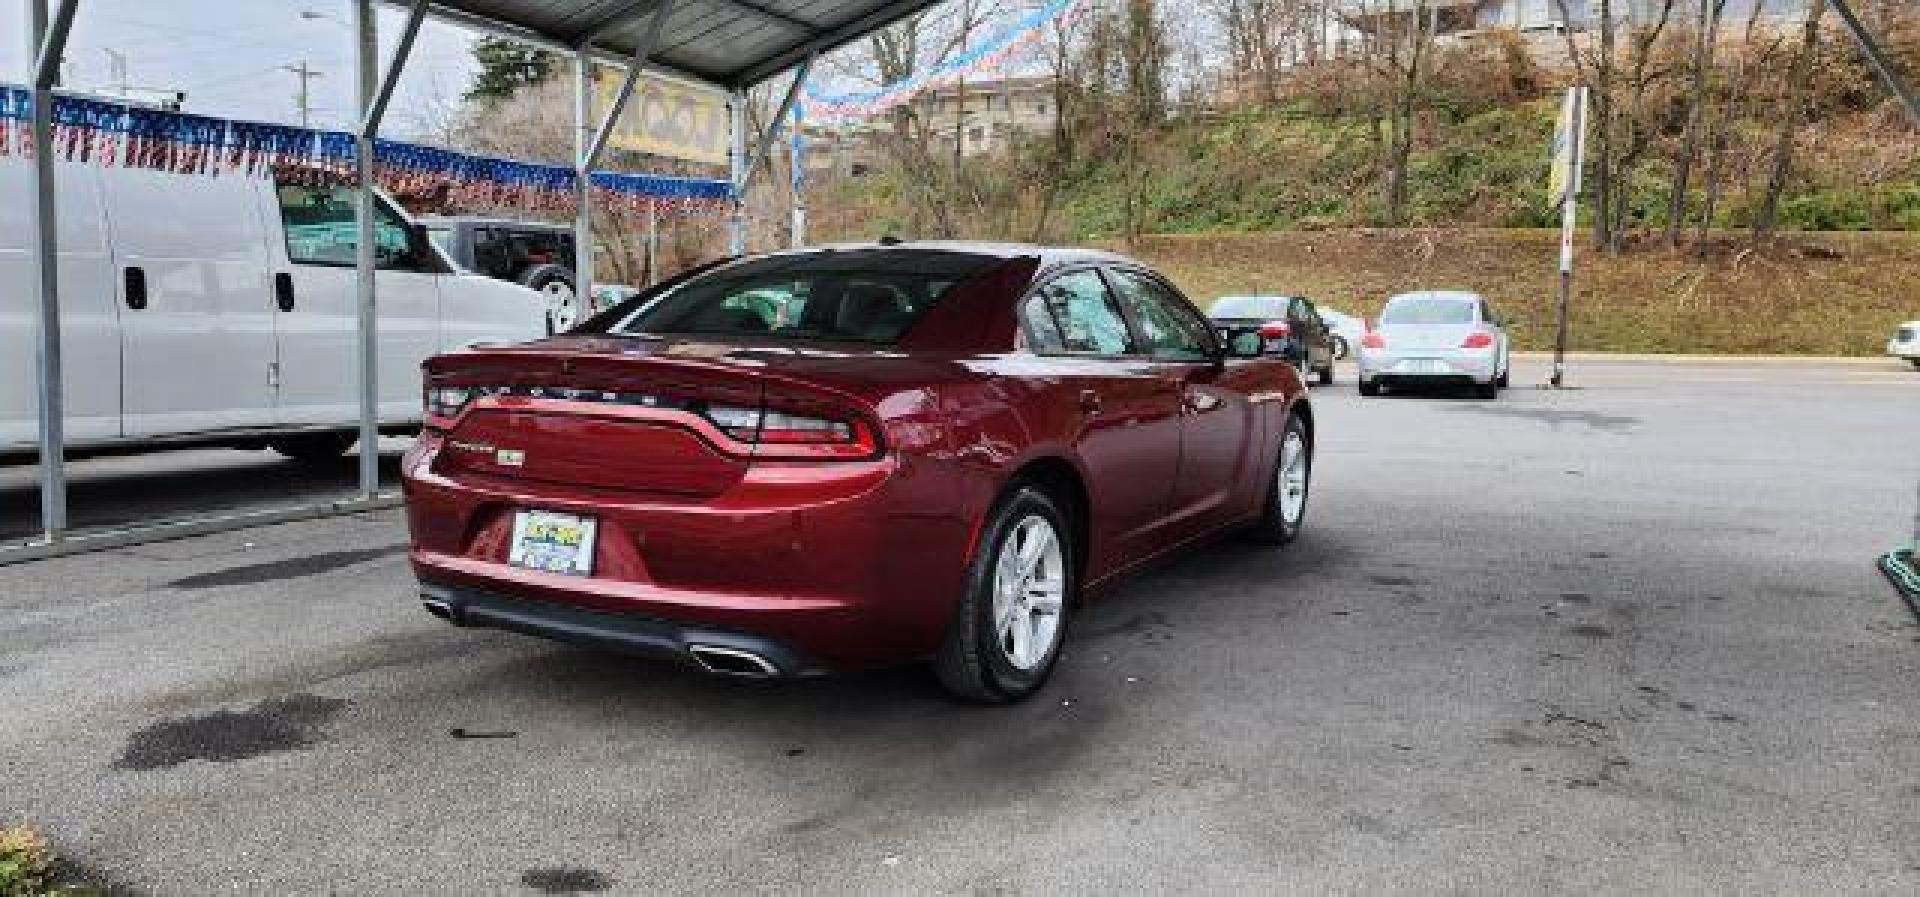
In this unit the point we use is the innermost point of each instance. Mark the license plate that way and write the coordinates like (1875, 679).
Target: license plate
(553, 542)
(1423, 366)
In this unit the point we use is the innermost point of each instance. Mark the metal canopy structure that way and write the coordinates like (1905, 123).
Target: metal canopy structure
(733, 44)
(729, 45)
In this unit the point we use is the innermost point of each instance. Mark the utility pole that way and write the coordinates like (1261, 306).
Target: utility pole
(117, 71)
(305, 74)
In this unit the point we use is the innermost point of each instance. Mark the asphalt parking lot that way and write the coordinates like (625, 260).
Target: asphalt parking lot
(1626, 637)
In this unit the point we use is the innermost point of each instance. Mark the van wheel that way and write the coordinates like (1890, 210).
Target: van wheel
(314, 448)
(556, 284)
(1012, 619)
(1326, 375)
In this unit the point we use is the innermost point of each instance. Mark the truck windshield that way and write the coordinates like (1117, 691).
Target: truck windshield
(860, 295)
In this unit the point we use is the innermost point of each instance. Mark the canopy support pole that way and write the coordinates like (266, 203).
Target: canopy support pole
(46, 43)
(582, 195)
(375, 89)
(737, 171)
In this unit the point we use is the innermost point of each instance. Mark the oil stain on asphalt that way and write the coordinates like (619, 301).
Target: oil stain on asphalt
(561, 880)
(291, 568)
(282, 724)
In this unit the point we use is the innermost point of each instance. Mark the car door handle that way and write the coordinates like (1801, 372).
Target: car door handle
(283, 291)
(135, 280)
(1089, 402)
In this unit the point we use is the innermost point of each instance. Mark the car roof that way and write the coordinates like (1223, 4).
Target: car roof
(1449, 295)
(1278, 297)
(1048, 255)
(495, 222)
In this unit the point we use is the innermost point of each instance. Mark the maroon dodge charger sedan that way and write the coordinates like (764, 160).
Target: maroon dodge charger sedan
(845, 457)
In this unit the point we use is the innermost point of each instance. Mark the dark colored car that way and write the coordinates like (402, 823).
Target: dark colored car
(1289, 326)
(849, 457)
(533, 254)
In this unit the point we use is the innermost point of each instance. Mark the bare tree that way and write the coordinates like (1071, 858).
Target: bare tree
(1800, 80)
(1398, 44)
(1706, 36)
(1736, 104)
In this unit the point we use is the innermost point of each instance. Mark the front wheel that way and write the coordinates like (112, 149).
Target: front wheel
(1286, 508)
(1008, 629)
(555, 284)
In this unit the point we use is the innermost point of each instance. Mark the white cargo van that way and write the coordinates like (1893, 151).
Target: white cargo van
(221, 310)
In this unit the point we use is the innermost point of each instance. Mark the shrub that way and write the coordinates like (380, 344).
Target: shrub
(26, 863)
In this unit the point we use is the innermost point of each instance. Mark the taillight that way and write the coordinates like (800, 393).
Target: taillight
(1275, 330)
(1373, 340)
(785, 434)
(1478, 340)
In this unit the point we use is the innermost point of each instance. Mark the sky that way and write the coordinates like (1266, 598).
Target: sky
(230, 56)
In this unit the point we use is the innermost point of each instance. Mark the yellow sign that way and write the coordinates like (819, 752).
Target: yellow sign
(668, 118)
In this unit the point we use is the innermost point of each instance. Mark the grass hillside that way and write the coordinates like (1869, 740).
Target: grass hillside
(1825, 294)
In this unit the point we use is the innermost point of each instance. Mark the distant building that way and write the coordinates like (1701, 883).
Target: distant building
(1462, 19)
(985, 116)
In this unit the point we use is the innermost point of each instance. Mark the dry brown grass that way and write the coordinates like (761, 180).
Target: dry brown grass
(1815, 294)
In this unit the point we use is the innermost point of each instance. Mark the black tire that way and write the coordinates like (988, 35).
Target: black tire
(1326, 375)
(1506, 377)
(974, 663)
(565, 308)
(1369, 387)
(1487, 390)
(1274, 526)
(313, 448)
(1916, 362)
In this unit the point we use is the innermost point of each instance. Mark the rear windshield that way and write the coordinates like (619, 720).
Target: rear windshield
(1426, 311)
(859, 295)
(1249, 307)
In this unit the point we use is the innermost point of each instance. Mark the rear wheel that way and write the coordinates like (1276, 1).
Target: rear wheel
(1326, 375)
(1369, 387)
(1008, 629)
(1487, 390)
(1505, 379)
(313, 448)
(1286, 508)
(1916, 362)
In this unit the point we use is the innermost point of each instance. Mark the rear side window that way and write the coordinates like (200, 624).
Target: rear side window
(869, 296)
(1074, 313)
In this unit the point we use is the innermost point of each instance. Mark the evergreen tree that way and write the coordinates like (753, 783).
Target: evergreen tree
(505, 67)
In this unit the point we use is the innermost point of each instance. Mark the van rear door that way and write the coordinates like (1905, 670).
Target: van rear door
(89, 307)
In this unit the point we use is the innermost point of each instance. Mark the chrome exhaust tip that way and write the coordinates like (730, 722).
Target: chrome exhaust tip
(733, 662)
(439, 608)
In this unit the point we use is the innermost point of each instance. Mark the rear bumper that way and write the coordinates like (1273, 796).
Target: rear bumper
(711, 649)
(822, 567)
(1428, 366)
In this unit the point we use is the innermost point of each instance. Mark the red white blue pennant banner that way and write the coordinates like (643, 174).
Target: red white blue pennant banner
(109, 134)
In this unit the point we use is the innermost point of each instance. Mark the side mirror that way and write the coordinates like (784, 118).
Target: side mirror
(1245, 344)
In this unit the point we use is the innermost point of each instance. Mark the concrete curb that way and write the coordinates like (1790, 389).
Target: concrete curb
(1864, 361)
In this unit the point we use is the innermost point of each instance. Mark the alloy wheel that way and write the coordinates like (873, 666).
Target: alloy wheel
(1029, 589)
(1292, 481)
